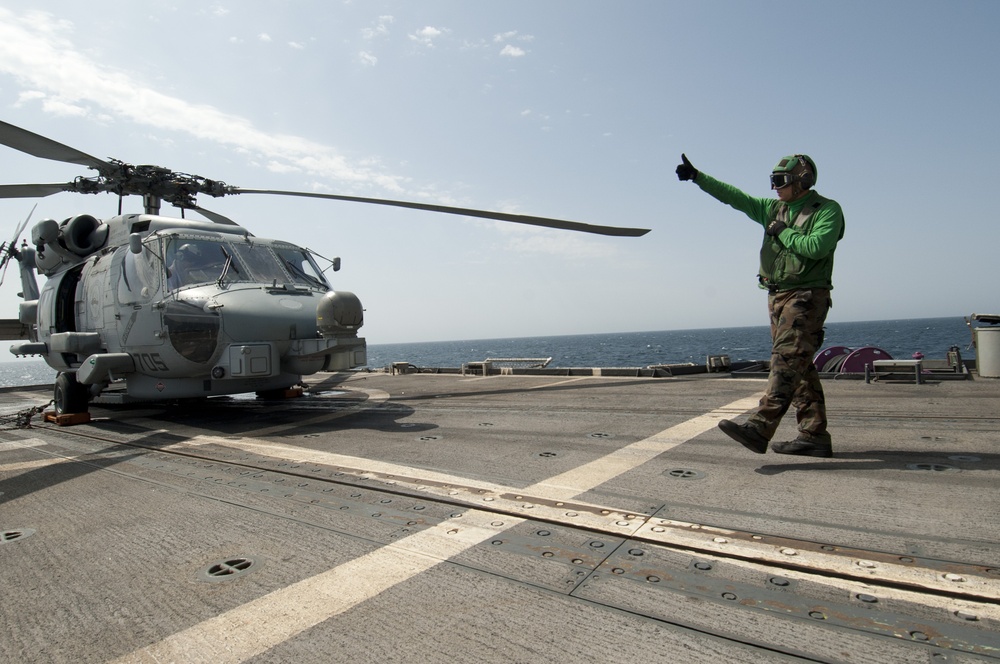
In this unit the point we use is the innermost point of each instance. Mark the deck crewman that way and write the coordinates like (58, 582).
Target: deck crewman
(801, 231)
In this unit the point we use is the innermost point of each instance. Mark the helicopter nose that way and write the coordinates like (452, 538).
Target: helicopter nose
(339, 314)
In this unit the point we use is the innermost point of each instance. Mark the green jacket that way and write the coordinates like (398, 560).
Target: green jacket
(802, 255)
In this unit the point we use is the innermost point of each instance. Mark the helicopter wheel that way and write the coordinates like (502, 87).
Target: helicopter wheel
(69, 395)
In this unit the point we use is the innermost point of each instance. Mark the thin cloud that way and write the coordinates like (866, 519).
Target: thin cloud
(550, 242)
(512, 51)
(427, 35)
(380, 29)
(28, 96)
(37, 50)
(511, 35)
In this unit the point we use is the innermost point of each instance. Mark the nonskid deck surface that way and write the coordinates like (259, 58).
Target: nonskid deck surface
(507, 518)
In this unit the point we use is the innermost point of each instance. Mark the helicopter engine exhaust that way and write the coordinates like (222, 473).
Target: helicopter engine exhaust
(84, 234)
(339, 314)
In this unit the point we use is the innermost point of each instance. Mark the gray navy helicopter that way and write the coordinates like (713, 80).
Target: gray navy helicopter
(164, 308)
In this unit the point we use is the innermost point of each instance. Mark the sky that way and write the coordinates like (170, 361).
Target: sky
(573, 109)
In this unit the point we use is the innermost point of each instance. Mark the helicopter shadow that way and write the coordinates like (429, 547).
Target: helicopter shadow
(879, 460)
(62, 470)
(329, 406)
(250, 416)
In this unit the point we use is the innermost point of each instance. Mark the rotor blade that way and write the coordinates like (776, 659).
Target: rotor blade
(32, 190)
(467, 212)
(40, 146)
(20, 226)
(8, 249)
(214, 216)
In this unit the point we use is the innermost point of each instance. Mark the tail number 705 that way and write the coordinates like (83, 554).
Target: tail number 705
(151, 362)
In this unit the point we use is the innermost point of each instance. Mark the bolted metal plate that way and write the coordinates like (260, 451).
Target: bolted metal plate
(546, 555)
(684, 473)
(937, 467)
(661, 583)
(230, 568)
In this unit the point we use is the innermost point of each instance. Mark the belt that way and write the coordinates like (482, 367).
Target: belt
(771, 288)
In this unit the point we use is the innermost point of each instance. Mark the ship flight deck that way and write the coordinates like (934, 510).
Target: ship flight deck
(504, 518)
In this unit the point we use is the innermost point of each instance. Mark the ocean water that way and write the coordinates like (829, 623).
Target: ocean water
(899, 338)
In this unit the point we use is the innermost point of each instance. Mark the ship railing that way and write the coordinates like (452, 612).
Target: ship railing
(506, 365)
(520, 362)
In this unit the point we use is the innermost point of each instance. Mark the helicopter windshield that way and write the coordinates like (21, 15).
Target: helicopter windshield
(200, 261)
(301, 266)
(191, 262)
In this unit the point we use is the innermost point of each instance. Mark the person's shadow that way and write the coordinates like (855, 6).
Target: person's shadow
(944, 461)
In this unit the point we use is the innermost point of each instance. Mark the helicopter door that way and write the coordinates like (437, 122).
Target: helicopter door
(64, 310)
(95, 295)
(57, 314)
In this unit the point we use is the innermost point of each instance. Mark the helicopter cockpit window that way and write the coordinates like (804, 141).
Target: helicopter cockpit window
(191, 262)
(261, 262)
(302, 267)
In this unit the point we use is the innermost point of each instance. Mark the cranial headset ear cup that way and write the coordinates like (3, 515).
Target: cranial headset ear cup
(808, 178)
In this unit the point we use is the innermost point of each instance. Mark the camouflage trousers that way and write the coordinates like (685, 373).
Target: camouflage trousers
(797, 319)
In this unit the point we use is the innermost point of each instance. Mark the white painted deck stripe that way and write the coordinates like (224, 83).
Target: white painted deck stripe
(32, 465)
(28, 465)
(255, 627)
(584, 478)
(258, 626)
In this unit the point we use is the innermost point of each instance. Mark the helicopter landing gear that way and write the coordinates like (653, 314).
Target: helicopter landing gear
(71, 397)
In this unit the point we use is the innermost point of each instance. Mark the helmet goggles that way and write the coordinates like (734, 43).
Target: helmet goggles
(780, 180)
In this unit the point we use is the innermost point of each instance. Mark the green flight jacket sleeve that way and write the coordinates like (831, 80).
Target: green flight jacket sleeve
(758, 209)
(826, 229)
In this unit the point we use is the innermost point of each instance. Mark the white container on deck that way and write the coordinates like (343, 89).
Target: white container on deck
(988, 351)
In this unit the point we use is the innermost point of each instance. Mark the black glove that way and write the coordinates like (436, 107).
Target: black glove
(775, 227)
(686, 171)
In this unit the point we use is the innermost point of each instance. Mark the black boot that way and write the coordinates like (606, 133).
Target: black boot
(806, 445)
(746, 435)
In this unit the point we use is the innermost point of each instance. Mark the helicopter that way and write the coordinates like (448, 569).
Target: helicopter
(174, 308)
